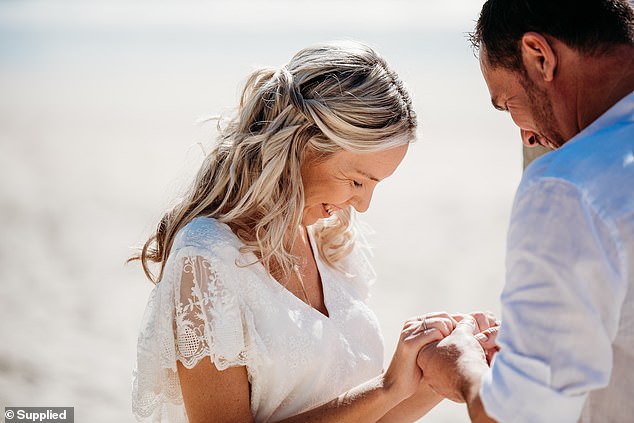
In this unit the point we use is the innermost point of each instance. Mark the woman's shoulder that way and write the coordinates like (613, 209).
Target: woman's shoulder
(208, 235)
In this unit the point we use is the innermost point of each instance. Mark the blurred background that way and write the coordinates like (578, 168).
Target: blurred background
(98, 108)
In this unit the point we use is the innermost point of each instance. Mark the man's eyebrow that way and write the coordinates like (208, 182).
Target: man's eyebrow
(362, 173)
(496, 106)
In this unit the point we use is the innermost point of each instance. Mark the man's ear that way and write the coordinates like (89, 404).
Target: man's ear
(538, 56)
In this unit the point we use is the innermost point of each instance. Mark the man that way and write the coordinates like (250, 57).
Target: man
(564, 70)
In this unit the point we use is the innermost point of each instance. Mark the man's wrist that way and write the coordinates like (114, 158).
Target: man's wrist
(477, 413)
(471, 393)
(472, 372)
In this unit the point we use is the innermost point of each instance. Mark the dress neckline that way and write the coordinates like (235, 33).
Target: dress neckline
(325, 282)
(322, 270)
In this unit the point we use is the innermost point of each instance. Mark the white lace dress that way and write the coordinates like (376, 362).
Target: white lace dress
(207, 307)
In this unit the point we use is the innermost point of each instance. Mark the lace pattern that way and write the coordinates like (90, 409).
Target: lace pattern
(204, 298)
(206, 306)
(191, 315)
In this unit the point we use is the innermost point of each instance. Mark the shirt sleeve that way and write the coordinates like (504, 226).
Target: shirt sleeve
(560, 307)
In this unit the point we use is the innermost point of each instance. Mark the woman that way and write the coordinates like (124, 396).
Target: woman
(260, 312)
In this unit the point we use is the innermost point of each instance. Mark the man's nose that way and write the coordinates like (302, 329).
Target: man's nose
(529, 138)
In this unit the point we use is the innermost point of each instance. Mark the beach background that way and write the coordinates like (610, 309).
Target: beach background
(98, 108)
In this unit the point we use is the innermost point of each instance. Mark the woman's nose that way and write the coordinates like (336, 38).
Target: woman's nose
(361, 203)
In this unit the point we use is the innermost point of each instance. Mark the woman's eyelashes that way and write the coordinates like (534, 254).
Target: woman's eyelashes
(355, 183)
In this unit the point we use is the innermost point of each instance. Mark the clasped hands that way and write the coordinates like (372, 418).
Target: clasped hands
(452, 365)
(444, 352)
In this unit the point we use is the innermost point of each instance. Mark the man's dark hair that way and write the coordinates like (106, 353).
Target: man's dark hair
(589, 26)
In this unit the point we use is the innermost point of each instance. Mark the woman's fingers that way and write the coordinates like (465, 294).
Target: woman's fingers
(446, 323)
(485, 319)
(481, 320)
(441, 321)
(486, 328)
(488, 337)
(492, 318)
(403, 374)
(423, 337)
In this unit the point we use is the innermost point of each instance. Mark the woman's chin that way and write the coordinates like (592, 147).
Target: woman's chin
(309, 220)
(312, 219)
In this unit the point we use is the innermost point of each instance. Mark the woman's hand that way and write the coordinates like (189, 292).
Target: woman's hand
(403, 376)
(487, 326)
(453, 365)
(487, 339)
(484, 319)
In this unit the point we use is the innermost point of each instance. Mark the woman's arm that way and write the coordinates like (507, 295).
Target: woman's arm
(210, 395)
(414, 407)
(223, 396)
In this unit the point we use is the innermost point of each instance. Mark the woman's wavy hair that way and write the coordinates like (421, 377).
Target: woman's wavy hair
(328, 98)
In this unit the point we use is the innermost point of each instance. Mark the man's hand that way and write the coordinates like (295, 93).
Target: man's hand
(488, 327)
(454, 366)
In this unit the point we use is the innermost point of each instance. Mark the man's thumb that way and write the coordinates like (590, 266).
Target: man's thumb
(468, 324)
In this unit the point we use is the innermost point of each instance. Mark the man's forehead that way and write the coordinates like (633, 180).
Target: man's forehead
(500, 82)
(486, 69)
(483, 58)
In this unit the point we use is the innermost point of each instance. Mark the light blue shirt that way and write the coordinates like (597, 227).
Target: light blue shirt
(567, 337)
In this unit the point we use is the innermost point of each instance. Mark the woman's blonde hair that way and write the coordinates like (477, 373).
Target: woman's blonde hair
(332, 97)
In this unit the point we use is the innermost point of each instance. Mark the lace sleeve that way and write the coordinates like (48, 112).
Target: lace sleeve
(193, 313)
(208, 317)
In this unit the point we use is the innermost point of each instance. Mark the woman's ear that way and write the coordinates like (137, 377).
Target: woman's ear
(538, 56)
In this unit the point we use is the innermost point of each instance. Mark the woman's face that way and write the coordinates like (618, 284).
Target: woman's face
(344, 179)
